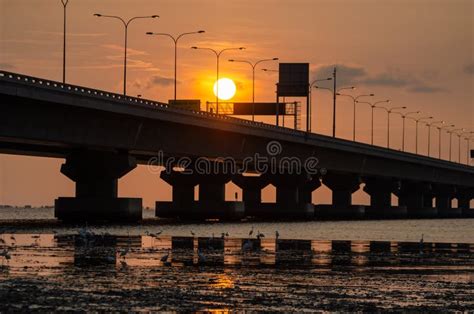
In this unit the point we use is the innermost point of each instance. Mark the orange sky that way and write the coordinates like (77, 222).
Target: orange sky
(417, 53)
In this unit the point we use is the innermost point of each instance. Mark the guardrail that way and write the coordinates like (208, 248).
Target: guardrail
(75, 89)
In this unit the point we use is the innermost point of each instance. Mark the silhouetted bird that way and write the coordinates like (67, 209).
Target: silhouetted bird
(277, 234)
(5, 254)
(124, 252)
(164, 258)
(201, 257)
(260, 235)
(251, 232)
(192, 233)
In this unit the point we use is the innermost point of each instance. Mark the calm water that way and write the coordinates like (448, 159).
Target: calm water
(346, 266)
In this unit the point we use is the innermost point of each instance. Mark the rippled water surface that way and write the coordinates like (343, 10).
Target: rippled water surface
(167, 265)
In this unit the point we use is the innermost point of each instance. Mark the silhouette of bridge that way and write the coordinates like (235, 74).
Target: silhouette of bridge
(103, 136)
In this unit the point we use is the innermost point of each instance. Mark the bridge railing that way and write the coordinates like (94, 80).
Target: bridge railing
(95, 93)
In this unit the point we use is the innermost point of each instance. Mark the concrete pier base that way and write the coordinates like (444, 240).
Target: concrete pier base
(392, 212)
(450, 212)
(96, 175)
(201, 211)
(252, 192)
(418, 199)
(71, 209)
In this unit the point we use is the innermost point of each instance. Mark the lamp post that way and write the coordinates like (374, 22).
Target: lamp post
(404, 116)
(373, 106)
(450, 132)
(310, 104)
(218, 54)
(253, 65)
(459, 142)
(354, 100)
(335, 92)
(64, 2)
(417, 121)
(440, 128)
(429, 133)
(389, 111)
(468, 140)
(126, 24)
(175, 40)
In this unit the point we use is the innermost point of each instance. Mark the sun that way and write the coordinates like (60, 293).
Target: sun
(226, 88)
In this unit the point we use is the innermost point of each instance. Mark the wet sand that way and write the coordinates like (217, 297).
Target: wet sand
(103, 272)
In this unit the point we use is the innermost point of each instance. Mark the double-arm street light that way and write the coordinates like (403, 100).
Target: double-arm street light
(417, 121)
(64, 2)
(429, 132)
(450, 132)
(218, 54)
(253, 65)
(441, 128)
(354, 100)
(310, 103)
(334, 92)
(389, 111)
(404, 116)
(372, 106)
(126, 24)
(175, 40)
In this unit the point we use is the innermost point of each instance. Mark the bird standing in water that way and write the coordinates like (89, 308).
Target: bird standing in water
(164, 258)
(251, 232)
(277, 234)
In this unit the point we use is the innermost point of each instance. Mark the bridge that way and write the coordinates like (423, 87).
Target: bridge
(102, 136)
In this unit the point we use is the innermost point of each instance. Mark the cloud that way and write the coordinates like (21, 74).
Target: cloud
(426, 89)
(469, 69)
(155, 80)
(388, 79)
(346, 74)
(6, 66)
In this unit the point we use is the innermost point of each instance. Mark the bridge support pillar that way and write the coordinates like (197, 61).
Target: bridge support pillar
(464, 197)
(380, 191)
(293, 195)
(211, 202)
(252, 193)
(342, 186)
(96, 175)
(418, 198)
(444, 195)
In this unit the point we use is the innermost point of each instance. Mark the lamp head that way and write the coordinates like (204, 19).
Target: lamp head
(154, 16)
(329, 79)
(97, 14)
(404, 107)
(372, 95)
(194, 47)
(200, 32)
(275, 59)
(241, 48)
(231, 60)
(149, 33)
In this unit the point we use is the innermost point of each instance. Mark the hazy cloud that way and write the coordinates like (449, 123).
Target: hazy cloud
(388, 79)
(155, 80)
(425, 89)
(469, 69)
(6, 66)
(346, 74)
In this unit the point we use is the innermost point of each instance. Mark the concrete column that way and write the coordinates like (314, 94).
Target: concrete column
(293, 195)
(417, 197)
(464, 196)
(444, 195)
(252, 192)
(211, 203)
(96, 175)
(342, 186)
(380, 190)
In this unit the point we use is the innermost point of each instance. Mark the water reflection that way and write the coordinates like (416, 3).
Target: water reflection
(48, 253)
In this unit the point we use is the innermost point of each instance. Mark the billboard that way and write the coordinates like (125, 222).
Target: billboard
(261, 108)
(293, 80)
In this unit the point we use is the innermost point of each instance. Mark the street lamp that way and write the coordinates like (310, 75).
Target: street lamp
(218, 54)
(64, 2)
(440, 128)
(175, 40)
(271, 70)
(354, 99)
(310, 104)
(389, 111)
(334, 92)
(372, 106)
(429, 133)
(451, 139)
(404, 116)
(459, 142)
(125, 24)
(253, 65)
(468, 140)
(416, 129)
